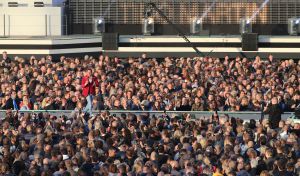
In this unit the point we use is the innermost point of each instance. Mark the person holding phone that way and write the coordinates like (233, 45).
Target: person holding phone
(89, 84)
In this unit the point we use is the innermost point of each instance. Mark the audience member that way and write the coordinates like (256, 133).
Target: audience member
(180, 84)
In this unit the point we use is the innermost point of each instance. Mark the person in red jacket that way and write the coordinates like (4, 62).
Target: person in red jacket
(89, 83)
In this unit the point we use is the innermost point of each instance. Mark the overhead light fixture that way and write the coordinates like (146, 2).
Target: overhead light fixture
(196, 25)
(245, 26)
(293, 26)
(99, 25)
(150, 21)
(148, 26)
(13, 4)
(39, 4)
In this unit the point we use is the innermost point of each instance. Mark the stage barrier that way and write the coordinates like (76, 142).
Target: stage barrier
(195, 114)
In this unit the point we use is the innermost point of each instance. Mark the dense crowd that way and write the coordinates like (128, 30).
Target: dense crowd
(105, 144)
(181, 84)
(146, 145)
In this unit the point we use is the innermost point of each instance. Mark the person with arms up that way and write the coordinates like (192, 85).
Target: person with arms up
(89, 84)
(274, 111)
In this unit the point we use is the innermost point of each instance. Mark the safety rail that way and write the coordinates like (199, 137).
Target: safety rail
(245, 115)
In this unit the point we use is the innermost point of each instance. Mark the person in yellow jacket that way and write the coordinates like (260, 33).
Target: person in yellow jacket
(218, 172)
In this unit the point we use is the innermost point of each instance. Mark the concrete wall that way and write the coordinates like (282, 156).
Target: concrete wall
(30, 21)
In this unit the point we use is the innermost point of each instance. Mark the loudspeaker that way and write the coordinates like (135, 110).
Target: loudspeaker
(110, 41)
(249, 42)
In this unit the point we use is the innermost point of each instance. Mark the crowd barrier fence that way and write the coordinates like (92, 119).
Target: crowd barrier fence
(245, 115)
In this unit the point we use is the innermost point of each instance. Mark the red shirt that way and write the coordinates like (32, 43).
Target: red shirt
(28, 105)
(90, 87)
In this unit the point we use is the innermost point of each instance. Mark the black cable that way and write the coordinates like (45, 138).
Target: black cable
(149, 5)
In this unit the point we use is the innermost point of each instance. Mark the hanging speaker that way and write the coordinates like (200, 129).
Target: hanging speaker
(110, 41)
(249, 42)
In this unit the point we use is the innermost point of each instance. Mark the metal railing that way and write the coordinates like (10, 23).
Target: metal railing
(256, 115)
(181, 11)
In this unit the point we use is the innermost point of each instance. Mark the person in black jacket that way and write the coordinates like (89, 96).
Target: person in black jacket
(274, 111)
(13, 102)
(5, 60)
(185, 106)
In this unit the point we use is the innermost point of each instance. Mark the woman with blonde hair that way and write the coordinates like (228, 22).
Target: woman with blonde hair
(25, 103)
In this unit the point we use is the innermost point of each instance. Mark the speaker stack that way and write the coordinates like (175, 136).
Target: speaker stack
(110, 41)
(249, 42)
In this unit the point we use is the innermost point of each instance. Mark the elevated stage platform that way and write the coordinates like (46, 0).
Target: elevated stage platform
(154, 46)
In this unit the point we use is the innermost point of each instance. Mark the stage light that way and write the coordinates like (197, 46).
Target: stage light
(13, 4)
(150, 21)
(39, 4)
(245, 26)
(196, 25)
(148, 26)
(293, 26)
(99, 25)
